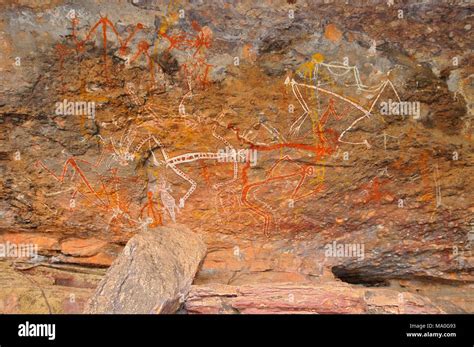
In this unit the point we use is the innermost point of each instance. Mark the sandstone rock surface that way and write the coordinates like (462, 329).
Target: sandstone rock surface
(285, 298)
(152, 275)
(74, 185)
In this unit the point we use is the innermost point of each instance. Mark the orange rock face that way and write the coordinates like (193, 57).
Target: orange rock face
(340, 189)
(82, 247)
(43, 242)
(332, 33)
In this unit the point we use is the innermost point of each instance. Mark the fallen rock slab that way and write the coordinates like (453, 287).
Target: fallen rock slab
(153, 274)
(291, 298)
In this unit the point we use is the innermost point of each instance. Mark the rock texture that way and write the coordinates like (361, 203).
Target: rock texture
(153, 274)
(172, 82)
(46, 288)
(287, 298)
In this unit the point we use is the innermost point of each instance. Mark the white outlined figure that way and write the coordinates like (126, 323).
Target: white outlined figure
(338, 71)
(228, 144)
(250, 135)
(122, 153)
(167, 199)
(385, 137)
(341, 70)
(366, 112)
(173, 162)
(373, 48)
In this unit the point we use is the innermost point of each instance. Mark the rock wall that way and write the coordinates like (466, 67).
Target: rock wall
(305, 141)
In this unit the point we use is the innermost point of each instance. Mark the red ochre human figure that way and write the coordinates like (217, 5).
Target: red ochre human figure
(374, 193)
(330, 112)
(203, 77)
(202, 40)
(104, 22)
(178, 41)
(124, 44)
(151, 212)
(197, 67)
(328, 138)
(72, 162)
(197, 70)
(143, 48)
